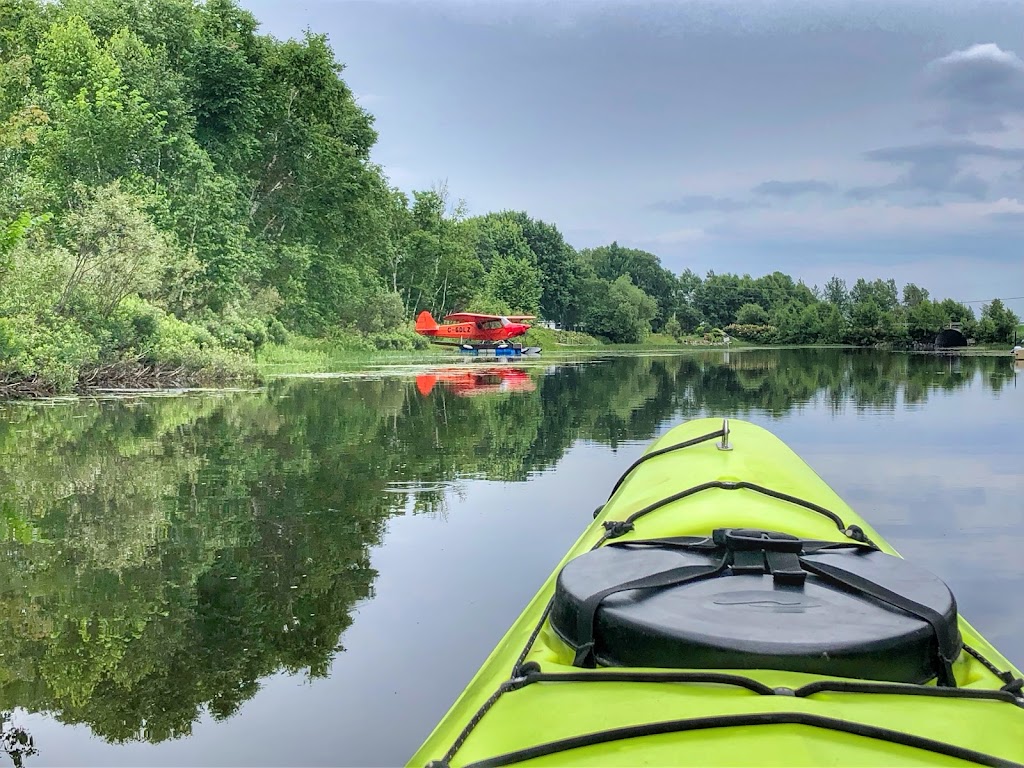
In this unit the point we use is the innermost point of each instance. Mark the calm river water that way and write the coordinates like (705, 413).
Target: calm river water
(309, 574)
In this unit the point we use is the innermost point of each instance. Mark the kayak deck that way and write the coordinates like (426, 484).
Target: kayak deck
(533, 703)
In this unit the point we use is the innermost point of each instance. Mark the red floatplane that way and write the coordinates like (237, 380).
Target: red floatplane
(473, 333)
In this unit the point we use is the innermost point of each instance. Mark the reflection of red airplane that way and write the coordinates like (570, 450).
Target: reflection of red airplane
(476, 381)
(470, 326)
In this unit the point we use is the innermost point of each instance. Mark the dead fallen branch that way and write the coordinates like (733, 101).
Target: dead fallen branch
(135, 374)
(17, 387)
(129, 374)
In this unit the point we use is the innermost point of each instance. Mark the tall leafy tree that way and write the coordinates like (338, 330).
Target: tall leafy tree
(998, 323)
(719, 297)
(837, 295)
(557, 263)
(625, 315)
(440, 270)
(644, 271)
(913, 295)
(882, 292)
(925, 319)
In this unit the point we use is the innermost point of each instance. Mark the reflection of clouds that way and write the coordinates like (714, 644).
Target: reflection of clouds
(961, 517)
(984, 573)
(985, 604)
(896, 489)
(963, 557)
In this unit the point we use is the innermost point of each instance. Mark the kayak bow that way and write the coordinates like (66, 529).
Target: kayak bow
(726, 607)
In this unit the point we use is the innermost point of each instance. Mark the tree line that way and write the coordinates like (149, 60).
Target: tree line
(178, 189)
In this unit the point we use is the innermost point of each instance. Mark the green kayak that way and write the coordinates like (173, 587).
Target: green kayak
(726, 607)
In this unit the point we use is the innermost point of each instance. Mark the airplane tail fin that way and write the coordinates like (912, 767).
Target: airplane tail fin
(425, 322)
(425, 383)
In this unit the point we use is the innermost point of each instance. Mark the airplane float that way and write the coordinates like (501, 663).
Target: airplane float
(474, 333)
(466, 382)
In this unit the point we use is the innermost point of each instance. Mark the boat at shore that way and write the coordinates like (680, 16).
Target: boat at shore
(726, 607)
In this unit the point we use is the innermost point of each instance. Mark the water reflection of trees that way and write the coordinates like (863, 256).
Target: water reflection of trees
(776, 382)
(16, 742)
(161, 556)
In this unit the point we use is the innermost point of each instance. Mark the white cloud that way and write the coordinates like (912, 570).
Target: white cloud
(981, 87)
(984, 53)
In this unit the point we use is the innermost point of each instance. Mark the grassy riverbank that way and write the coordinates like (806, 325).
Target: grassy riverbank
(304, 355)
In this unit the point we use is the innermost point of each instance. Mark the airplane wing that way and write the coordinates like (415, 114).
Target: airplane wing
(473, 317)
(470, 317)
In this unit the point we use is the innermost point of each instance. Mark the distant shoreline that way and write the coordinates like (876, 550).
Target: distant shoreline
(146, 379)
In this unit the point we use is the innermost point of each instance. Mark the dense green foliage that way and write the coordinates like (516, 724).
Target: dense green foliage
(162, 555)
(177, 188)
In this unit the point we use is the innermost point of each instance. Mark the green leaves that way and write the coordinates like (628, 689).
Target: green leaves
(557, 263)
(644, 271)
(241, 164)
(117, 250)
(752, 314)
(100, 128)
(515, 281)
(883, 293)
(924, 318)
(998, 323)
(624, 315)
(14, 232)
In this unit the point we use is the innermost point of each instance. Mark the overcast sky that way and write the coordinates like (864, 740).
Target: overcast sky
(860, 139)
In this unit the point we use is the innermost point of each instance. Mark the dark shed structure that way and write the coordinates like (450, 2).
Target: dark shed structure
(950, 337)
